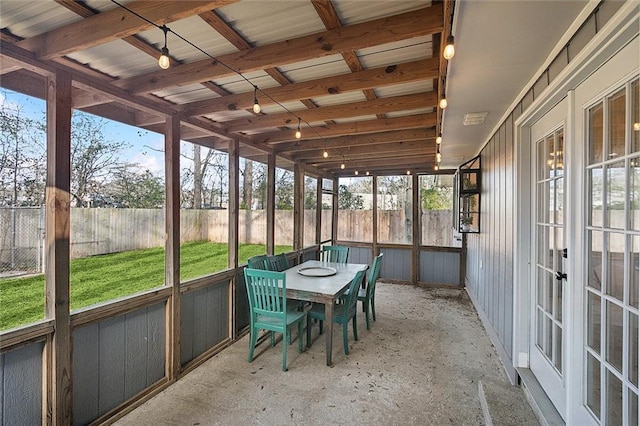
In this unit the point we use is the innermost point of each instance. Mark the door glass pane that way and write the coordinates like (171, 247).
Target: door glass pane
(542, 163)
(595, 259)
(614, 335)
(615, 265)
(541, 286)
(616, 125)
(550, 281)
(593, 384)
(540, 329)
(550, 164)
(595, 134)
(558, 345)
(550, 189)
(542, 201)
(558, 310)
(543, 245)
(548, 337)
(614, 400)
(616, 194)
(597, 185)
(633, 348)
(633, 408)
(593, 321)
(559, 152)
(635, 116)
(634, 273)
(559, 201)
(634, 193)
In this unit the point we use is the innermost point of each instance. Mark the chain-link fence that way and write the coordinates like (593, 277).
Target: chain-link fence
(21, 240)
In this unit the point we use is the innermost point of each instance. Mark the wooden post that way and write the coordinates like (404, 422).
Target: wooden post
(234, 211)
(234, 201)
(271, 202)
(57, 359)
(319, 211)
(334, 221)
(172, 244)
(415, 211)
(298, 207)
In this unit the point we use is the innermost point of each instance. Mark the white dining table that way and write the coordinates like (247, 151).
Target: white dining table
(322, 289)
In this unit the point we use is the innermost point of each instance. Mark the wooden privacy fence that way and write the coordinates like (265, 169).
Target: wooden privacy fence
(104, 230)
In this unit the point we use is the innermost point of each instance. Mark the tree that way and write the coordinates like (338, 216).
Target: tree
(132, 189)
(94, 159)
(22, 157)
(349, 201)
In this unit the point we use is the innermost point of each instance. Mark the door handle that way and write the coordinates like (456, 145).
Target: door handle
(560, 276)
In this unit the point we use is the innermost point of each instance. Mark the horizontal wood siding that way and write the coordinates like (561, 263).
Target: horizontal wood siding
(440, 267)
(396, 264)
(205, 320)
(115, 359)
(21, 381)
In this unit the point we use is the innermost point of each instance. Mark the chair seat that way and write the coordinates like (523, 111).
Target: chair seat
(362, 293)
(292, 317)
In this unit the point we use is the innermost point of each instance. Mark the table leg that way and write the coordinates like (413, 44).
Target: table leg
(328, 316)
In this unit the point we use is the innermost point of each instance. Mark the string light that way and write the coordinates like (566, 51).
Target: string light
(449, 49)
(408, 172)
(436, 167)
(443, 101)
(256, 105)
(298, 133)
(438, 157)
(325, 154)
(163, 61)
(356, 172)
(439, 138)
(342, 166)
(367, 173)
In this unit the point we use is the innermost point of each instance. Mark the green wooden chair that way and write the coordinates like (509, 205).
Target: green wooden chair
(342, 313)
(337, 254)
(257, 262)
(368, 295)
(268, 309)
(278, 263)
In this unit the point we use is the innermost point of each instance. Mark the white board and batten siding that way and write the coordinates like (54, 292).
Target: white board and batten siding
(21, 384)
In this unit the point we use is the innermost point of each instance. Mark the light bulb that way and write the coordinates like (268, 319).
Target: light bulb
(636, 127)
(439, 139)
(438, 157)
(298, 133)
(449, 49)
(256, 107)
(443, 103)
(367, 173)
(355, 173)
(408, 172)
(163, 61)
(325, 154)
(342, 166)
(436, 167)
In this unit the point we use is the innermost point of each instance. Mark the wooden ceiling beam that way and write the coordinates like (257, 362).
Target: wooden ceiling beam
(378, 77)
(354, 109)
(391, 149)
(358, 36)
(352, 128)
(112, 25)
(367, 139)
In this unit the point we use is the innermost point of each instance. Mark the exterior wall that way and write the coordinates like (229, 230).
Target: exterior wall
(396, 264)
(489, 271)
(21, 385)
(440, 267)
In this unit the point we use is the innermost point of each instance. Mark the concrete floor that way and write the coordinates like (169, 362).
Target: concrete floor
(422, 363)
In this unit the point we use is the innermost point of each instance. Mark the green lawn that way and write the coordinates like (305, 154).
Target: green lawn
(98, 279)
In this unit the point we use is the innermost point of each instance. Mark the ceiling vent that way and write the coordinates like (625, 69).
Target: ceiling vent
(474, 118)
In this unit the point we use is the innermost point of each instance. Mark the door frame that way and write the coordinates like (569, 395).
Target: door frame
(617, 33)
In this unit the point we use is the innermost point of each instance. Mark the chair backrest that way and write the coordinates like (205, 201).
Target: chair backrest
(257, 262)
(374, 273)
(337, 254)
(266, 291)
(278, 263)
(352, 296)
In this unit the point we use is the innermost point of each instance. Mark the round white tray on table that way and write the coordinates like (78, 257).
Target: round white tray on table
(317, 271)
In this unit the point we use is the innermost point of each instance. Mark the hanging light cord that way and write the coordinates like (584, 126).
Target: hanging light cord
(256, 88)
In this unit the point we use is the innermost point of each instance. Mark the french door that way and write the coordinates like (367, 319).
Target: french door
(547, 332)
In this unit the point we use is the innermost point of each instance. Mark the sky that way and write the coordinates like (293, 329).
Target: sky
(145, 147)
